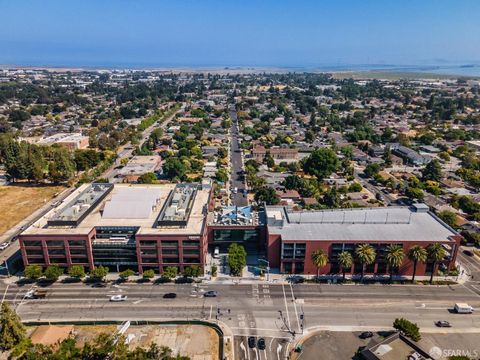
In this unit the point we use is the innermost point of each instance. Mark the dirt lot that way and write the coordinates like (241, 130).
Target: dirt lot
(17, 202)
(196, 341)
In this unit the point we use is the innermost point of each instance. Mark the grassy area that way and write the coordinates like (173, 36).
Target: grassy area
(19, 201)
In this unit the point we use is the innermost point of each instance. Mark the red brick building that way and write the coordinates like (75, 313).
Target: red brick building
(123, 226)
(293, 236)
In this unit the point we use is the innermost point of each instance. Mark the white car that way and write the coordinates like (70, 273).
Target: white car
(116, 298)
(4, 245)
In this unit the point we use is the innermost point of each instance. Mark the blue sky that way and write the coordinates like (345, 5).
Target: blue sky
(238, 32)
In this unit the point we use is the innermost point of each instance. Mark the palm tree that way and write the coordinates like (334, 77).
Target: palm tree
(345, 260)
(366, 255)
(319, 259)
(394, 257)
(416, 254)
(436, 252)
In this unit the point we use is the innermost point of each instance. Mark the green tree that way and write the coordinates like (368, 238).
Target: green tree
(345, 260)
(266, 194)
(372, 169)
(53, 272)
(221, 175)
(237, 258)
(33, 272)
(268, 160)
(61, 167)
(408, 328)
(174, 168)
(366, 255)
(148, 274)
(124, 275)
(147, 178)
(170, 272)
(436, 253)
(432, 171)
(76, 271)
(12, 330)
(417, 254)
(394, 257)
(414, 193)
(321, 163)
(99, 272)
(192, 271)
(449, 217)
(332, 198)
(319, 259)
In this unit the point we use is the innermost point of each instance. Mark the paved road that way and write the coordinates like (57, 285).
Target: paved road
(275, 349)
(255, 309)
(239, 199)
(387, 198)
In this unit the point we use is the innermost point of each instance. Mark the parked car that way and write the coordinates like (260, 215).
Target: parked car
(170, 296)
(216, 252)
(443, 323)
(99, 285)
(366, 335)
(117, 298)
(261, 344)
(36, 294)
(4, 245)
(252, 342)
(211, 293)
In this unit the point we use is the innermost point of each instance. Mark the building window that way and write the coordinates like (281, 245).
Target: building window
(191, 243)
(171, 260)
(77, 251)
(287, 267)
(32, 243)
(293, 250)
(299, 268)
(148, 251)
(381, 267)
(56, 252)
(168, 243)
(79, 261)
(149, 260)
(191, 251)
(36, 260)
(170, 251)
(191, 260)
(55, 243)
(148, 242)
(34, 251)
(76, 243)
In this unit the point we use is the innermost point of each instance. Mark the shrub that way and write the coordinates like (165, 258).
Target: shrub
(407, 328)
(148, 274)
(33, 272)
(124, 275)
(53, 272)
(214, 270)
(76, 271)
(99, 272)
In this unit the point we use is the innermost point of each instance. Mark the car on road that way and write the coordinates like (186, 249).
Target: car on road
(216, 252)
(443, 323)
(36, 294)
(117, 298)
(252, 342)
(170, 296)
(463, 308)
(4, 245)
(211, 293)
(468, 252)
(365, 335)
(261, 344)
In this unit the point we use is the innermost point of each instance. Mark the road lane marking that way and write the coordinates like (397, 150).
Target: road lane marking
(244, 349)
(295, 307)
(286, 306)
(5, 293)
(210, 316)
(279, 349)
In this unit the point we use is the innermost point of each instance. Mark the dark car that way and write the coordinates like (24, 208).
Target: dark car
(211, 293)
(261, 344)
(468, 252)
(170, 296)
(443, 323)
(99, 285)
(365, 335)
(252, 342)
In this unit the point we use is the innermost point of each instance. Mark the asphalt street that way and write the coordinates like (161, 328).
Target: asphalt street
(240, 198)
(255, 309)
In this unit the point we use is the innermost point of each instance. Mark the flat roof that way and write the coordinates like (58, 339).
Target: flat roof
(128, 205)
(362, 224)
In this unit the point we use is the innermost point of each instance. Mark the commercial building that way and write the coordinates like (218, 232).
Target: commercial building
(123, 226)
(292, 236)
(70, 141)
